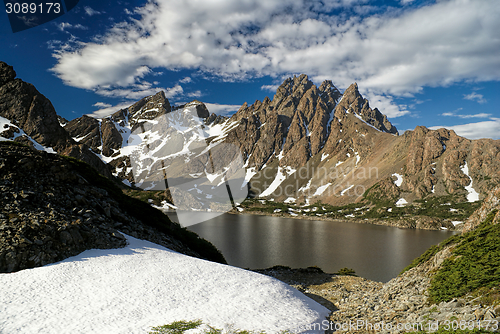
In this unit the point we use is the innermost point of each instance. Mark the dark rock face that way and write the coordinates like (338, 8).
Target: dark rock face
(7, 73)
(50, 211)
(31, 111)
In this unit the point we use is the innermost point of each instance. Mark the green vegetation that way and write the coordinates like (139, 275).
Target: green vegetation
(474, 265)
(150, 196)
(147, 214)
(179, 327)
(346, 272)
(443, 207)
(13, 143)
(176, 327)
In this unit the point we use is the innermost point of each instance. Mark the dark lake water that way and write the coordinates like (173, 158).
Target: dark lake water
(375, 252)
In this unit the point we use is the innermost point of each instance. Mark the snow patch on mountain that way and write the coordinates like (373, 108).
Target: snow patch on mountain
(5, 124)
(473, 195)
(280, 177)
(401, 202)
(399, 179)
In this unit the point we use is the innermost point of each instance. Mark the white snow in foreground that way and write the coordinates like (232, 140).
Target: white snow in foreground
(324, 156)
(473, 195)
(399, 179)
(456, 222)
(131, 289)
(290, 200)
(401, 202)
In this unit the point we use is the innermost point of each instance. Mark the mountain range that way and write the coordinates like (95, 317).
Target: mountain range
(306, 144)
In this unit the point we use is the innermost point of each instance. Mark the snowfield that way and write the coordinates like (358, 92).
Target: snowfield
(131, 289)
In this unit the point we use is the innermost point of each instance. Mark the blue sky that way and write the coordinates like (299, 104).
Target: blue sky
(432, 63)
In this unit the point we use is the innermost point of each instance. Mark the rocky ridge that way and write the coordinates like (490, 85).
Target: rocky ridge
(55, 207)
(310, 143)
(34, 120)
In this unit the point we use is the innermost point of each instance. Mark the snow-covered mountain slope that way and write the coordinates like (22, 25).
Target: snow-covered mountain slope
(129, 290)
(13, 132)
(156, 147)
(306, 144)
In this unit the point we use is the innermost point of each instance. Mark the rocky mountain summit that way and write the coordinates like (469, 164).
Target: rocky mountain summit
(54, 207)
(312, 143)
(27, 116)
(307, 144)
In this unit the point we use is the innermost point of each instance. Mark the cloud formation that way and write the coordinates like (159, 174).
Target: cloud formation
(486, 129)
(475, 97)
(452, 114)
(222, 109)
(90, 11)
(393, 53)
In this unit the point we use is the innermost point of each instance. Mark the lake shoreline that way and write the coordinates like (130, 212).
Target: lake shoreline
(412, 222)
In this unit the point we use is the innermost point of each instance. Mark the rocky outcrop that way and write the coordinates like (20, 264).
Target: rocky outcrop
(490, 206)
(54, 207)
(31, 111)
(353, 102)
(436, 158)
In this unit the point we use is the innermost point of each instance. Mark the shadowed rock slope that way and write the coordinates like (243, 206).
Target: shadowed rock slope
(53, 207)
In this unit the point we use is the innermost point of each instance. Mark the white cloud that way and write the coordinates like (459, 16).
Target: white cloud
(271, 88)
(102, 105)
(140, 91)
(475, 97)
(186, 80)
(109, 109)
(486, 129)
(90, 12)
(480, 115)
(195, 94)
(65, 25)
(386, 105)
(395, 53)
(222, 109)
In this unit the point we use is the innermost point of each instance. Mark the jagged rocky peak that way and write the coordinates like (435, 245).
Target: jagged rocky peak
(353, 102)
(33, 120)
(147, 108)
(7, 73)
(200, 107)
